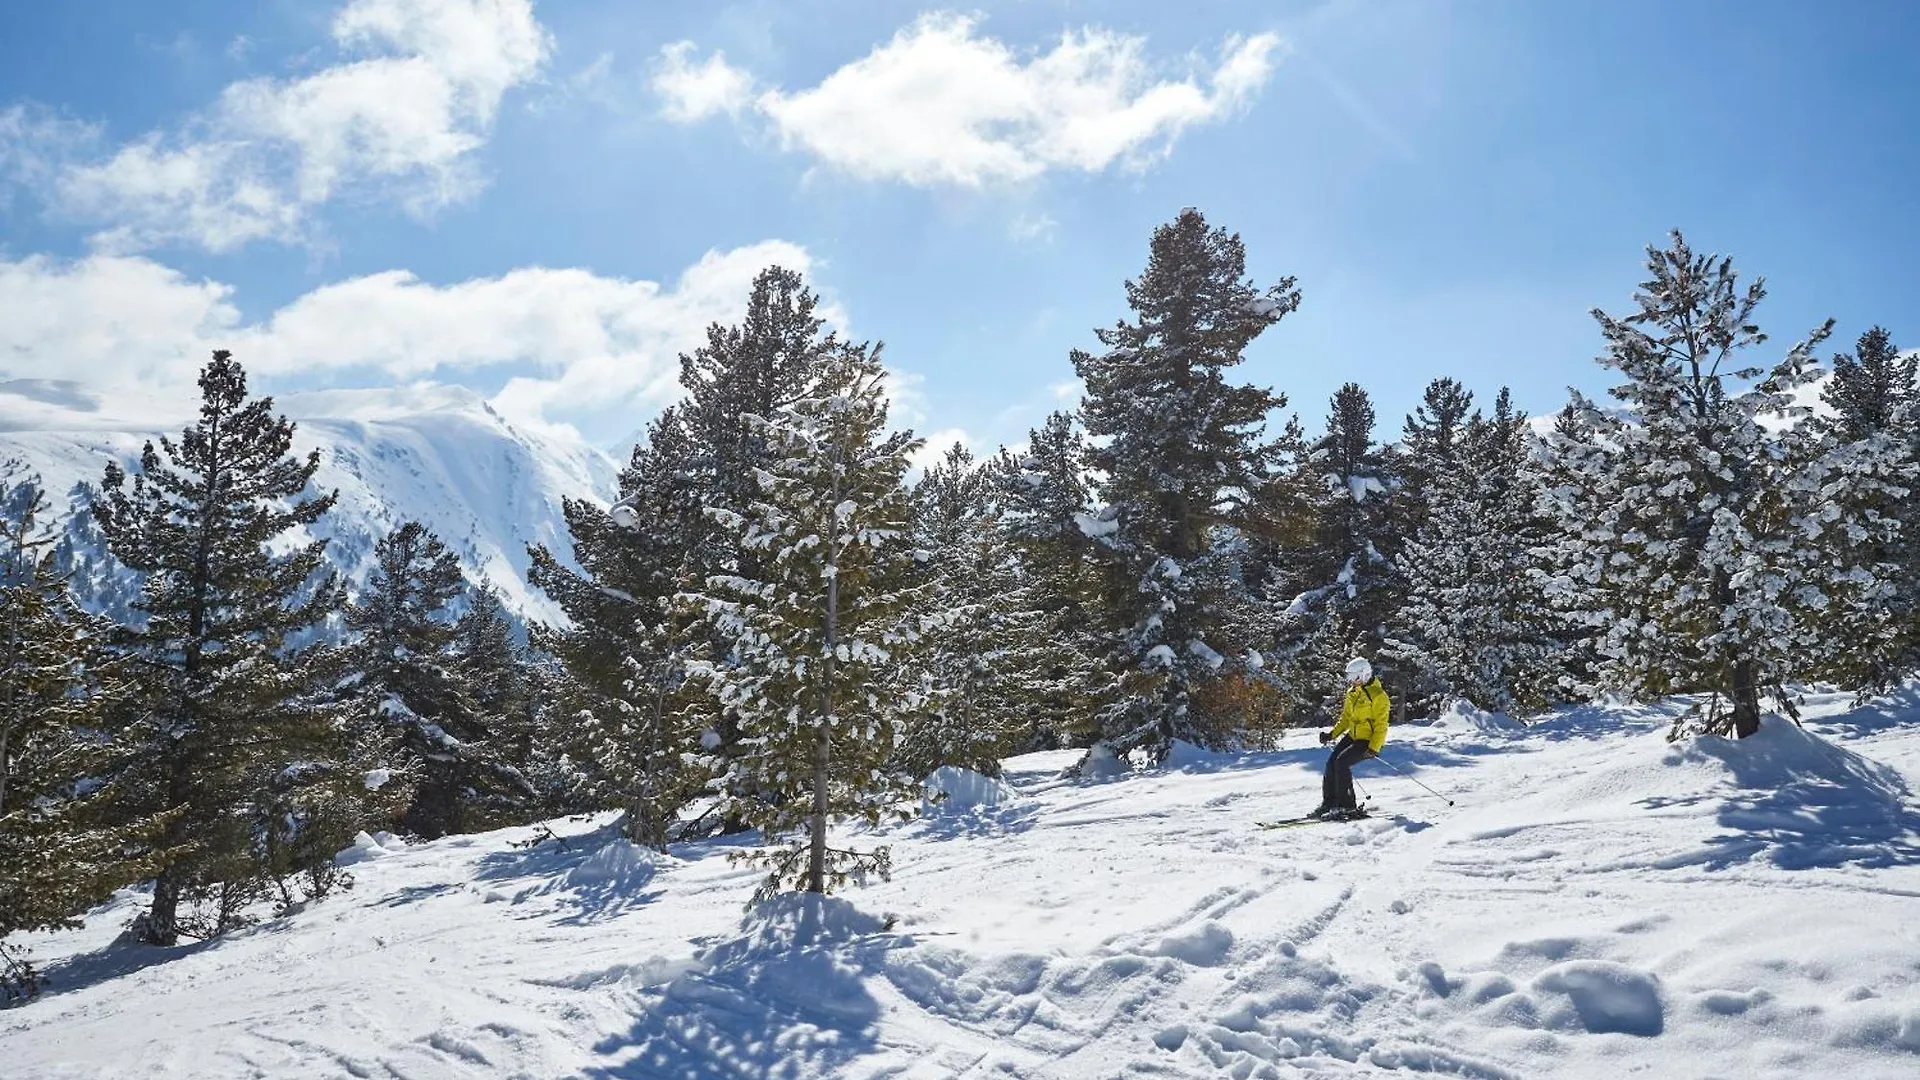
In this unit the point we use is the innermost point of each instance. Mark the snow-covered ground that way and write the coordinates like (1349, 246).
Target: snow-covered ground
(1598, 903)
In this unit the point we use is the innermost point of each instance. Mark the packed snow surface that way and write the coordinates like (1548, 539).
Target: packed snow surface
(1599, 903)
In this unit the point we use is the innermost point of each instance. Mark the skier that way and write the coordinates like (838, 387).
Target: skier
(1362, 731)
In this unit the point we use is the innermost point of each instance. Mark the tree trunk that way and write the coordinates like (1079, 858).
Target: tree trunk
(817, 856)
(1746, 699)
(823, 744)
(163, 917)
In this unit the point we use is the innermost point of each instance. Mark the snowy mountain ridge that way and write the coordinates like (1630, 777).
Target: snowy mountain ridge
(436, 454)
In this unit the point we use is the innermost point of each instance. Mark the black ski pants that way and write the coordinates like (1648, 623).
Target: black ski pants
(1336, 787)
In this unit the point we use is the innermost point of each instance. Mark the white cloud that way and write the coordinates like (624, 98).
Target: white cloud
(583, 346)
(399, 117)
(689, 92)
(941, 105)
(1033, 227)
(33, 142)
(934, 449)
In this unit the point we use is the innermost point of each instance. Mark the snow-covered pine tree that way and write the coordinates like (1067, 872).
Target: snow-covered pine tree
(1872, 390)
(1342, 579)
(1430, 445)
(818, 671)
(988, 667)
(755, 367)
(504, 681)
(633, 560)
(1696, 525)
(658, 539)
(415, 684)
(1046, 519)
(1178, 448)
(59, 855)
(1872, 439)
(1471, 625)
(223, 723)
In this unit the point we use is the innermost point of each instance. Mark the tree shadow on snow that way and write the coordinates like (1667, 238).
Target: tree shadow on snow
(786, 997)
(1900, 708)
(1803, 803)
(586, 879)
(118, 958)
(975, 822)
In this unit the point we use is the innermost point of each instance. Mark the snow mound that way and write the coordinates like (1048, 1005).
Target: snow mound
(1783, 754)
(1185, 755)
(1101, 763)
(621, 864)
(1465, 718)
(1803, 800)
(951, 788)
(369, 846)
(1206, 945)
(1605, 997)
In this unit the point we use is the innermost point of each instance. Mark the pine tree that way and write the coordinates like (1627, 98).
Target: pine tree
(1430, 445)
(753, 368)
(1046, 520)
(501, 676)
(1872, 391)
(657, 539)
(1471, 625)
(818, 670)
(58, 853)
(224, 724)
(633, 559)
(1182, 449)
(1342, 579)
(1697, 526)
(418, 686)
(1871, 447)
(990, 667)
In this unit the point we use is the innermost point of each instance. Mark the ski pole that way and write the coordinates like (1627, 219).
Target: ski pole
(1382, 760)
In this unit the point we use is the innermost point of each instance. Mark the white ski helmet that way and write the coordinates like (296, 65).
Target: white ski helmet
(1358, 670)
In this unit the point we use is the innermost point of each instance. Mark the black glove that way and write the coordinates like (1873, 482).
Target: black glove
(1326, 737)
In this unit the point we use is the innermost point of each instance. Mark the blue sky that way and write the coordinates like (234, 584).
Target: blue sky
(545, 202)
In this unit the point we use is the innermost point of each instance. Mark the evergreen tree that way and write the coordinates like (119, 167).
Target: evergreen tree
(1698, 526)
(1471, 626)
(417, 685)
(633, 559)
(990, 667)
(818, 670)
(1872, 440)
(502, 678)
(58, 853)
(1045, 518)
(1342, 579)
(1430, 445)
(1872, 391)
(756, 367)
(657, 539)
(1182, 448)
(223, 722)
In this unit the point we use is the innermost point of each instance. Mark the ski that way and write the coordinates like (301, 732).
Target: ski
(1293, 823)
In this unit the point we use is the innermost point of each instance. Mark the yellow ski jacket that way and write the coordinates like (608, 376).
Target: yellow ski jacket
(1364, 716)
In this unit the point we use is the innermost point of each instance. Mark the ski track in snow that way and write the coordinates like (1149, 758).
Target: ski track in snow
(1598, 904)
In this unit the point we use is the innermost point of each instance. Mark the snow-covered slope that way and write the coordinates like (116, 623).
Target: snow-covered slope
(439, 455)
(1597, 904)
